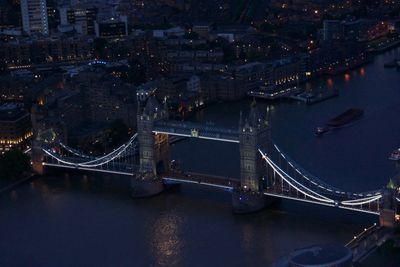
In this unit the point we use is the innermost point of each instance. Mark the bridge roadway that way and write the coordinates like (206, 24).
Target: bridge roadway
(113, 168)
(201, 179)
(192, 129)
(292, 194)
(132, 169)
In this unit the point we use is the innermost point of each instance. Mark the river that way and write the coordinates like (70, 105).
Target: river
(85, 220)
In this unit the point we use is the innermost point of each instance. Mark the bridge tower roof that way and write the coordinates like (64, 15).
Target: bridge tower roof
(255, 118)
(152, 106)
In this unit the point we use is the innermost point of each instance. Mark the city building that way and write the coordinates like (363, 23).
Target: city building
(81, 18)
(112, 28)
(251, 75)
(193, 84)
(222, 87)
(332, 30)
(202, 29)
(23, 51)
(172, 32)
(106, 98)
(15, 127)
(232, 33)
(34, 16)
(282, 73)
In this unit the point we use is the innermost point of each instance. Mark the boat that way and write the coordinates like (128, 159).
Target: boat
(346, 118)
(321, 130)
(390, 65)
(395, 155)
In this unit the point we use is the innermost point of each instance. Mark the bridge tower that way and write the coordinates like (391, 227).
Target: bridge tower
(153, 149)
(254, 134)
(387, 213)
(47, 138)
(37, 157)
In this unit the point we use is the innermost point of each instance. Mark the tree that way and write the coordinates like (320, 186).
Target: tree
(13, 164)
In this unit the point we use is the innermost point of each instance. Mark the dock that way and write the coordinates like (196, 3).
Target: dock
(275, 94)
(313, 99)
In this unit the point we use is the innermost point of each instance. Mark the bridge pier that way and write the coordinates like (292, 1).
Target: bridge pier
(153, 150)
(38, 167)
(387, 218)
(247, 201)
(142, 187)
(387, 215)
(254, 133)
(37, 158)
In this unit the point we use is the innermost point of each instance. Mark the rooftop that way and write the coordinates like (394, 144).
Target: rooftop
(12, 111)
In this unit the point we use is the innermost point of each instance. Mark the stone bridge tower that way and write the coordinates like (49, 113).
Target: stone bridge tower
(153, 149)
(389, 214)
(44, 139)
(254, 134)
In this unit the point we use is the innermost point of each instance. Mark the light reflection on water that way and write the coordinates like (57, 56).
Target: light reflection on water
(247, 237)
(165, 239)
(362, 71)
(14, 195)
(329, 82)
(347, 77)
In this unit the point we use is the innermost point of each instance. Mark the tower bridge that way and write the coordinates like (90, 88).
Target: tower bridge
(198, 130)
(266, 172)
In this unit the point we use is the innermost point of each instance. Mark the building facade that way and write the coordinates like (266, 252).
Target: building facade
(34, 16)
(15, 127)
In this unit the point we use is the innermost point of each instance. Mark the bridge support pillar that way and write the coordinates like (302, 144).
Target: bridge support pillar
(38, 167)
(142, 186)
(37, 158)
(247, 201)
(387, 218)
(153, 150)
(254, 134)
(387, 214)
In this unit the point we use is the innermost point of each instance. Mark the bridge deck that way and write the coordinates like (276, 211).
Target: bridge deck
(116, 168)
(192, 129)
(290, 193)
(202, 179)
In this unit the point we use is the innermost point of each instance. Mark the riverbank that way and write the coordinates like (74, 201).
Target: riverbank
(383, 44)
(388, 255)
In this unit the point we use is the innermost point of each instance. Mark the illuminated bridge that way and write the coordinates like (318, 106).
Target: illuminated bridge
(202, 131)
(267, 173)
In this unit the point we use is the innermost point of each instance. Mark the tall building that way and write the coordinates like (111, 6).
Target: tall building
(34, 16)
(81, 18)
(112, 28)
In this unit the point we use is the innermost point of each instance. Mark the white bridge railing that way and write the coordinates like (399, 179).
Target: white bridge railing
(363, 202)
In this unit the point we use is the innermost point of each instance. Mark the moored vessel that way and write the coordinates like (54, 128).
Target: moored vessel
(390, 64)
(346, 118)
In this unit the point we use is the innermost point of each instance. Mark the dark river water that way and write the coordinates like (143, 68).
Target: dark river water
(86, 220)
